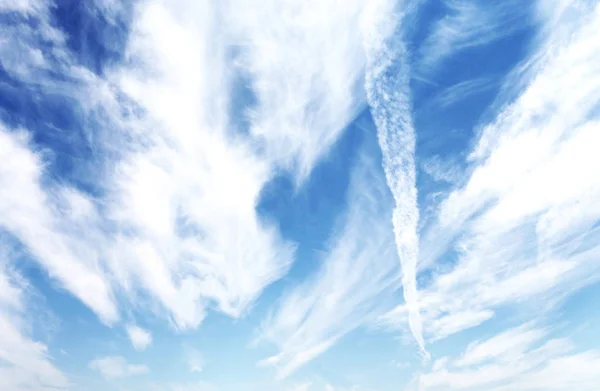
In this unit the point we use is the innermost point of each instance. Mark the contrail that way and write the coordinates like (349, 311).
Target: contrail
(386, 84)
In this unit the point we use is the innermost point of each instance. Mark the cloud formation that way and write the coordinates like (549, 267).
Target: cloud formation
(140, 338)
(520, 358)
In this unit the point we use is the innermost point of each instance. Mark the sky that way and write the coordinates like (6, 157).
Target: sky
(299, 195)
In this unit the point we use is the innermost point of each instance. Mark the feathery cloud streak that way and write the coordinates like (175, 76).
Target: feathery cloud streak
(469, 24)
(26, 363)
(356, 273)
(386, 84)
(522, 358)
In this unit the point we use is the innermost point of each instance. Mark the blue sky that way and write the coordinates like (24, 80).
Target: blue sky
(289, 195)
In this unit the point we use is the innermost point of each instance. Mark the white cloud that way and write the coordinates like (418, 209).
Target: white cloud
(577, 371)
(504, 346)
(11, 296)
(468, 24)
(305, 60)
(521, 358)
(387, 86)
(348, 288)
(442, 169)
(459, 91)
(28, 210)
(26, 363)
(200, 183)
(524, 229)
(175, 230)
(24, 6)
(140, 338)
(114, 367)
(180, 181)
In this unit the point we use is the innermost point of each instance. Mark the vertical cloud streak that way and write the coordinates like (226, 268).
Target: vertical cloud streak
(386, 84)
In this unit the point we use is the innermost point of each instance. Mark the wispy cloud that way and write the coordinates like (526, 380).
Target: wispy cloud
(175, 228)
(200, 183)
(114, 367)
(348, 288)
(467, 24)
(30, 211)
(442, 170)
(524, 227)
(459, 91)
(305, 61)
(178, 175)
(522, 358)
(26, 363)
(388, 96)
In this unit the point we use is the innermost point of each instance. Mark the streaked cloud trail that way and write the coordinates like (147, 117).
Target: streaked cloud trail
(386, 84)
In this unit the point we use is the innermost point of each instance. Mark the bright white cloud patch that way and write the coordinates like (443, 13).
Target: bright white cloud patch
(306, 69)
(30, 212)
(140, 338)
